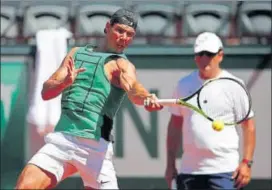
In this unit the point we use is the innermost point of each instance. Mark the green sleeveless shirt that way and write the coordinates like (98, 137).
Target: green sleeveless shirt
(90, 97)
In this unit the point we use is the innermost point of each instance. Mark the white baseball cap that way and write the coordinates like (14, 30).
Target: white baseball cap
(207, 41)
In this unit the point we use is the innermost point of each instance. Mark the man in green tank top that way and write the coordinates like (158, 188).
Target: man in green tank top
(93, 83)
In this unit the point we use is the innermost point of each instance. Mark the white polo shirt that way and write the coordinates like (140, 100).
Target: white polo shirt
(205, 151)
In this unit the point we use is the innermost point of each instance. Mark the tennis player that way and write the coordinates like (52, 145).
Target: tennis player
(210, 159)
(93, 83)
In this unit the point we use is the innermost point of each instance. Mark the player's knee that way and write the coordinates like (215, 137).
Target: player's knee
(32, 182)
(33, 177)
(26, 183)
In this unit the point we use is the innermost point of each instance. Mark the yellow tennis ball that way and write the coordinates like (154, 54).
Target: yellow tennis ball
(217, 125)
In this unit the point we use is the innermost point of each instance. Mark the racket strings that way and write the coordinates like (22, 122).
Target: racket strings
(241, 105)
(218, 108)
(224, 100)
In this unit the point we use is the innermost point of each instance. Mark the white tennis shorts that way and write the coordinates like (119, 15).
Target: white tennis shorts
(85, 154)
(107, 177)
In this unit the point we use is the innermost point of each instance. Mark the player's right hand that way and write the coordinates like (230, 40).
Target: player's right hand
(170, 174)
(72, 72)
(151, 104)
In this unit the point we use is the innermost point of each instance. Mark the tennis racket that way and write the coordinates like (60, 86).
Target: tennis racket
(225, 99)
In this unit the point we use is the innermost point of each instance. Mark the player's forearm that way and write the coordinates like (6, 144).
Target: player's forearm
(52, 88)
(173, 143)
(137, 93)
(249, 136)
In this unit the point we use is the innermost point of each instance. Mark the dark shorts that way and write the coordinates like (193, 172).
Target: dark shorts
(211, 181)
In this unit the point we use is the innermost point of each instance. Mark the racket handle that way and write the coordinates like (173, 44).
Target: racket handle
(168, 102)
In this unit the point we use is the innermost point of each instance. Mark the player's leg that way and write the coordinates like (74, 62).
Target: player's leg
(46, 167)
(107, 177)
(221, 181)
(69, 170)
(33, 177)
(90, 188)
(44, 170)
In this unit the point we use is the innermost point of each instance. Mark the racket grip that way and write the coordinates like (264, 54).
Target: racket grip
(168, 102)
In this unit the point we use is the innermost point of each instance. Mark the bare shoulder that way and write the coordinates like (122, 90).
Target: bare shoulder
(125, 65)
(119, 68)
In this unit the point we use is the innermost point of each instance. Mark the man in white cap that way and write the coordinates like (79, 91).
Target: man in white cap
(210, 159)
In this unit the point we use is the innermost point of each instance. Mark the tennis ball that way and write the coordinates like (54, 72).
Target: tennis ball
(217, 125)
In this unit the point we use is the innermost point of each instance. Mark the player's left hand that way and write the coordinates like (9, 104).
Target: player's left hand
(151, 103)
(72, 72)
(242, 175)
